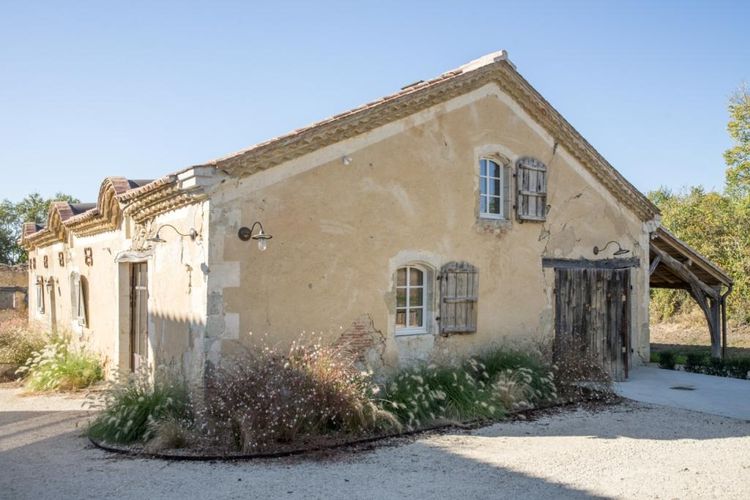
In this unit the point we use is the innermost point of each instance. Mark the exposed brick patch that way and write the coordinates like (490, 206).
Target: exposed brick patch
(362, 340)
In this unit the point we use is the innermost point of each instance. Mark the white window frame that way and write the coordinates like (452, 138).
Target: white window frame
(484, 182)
(408, 329)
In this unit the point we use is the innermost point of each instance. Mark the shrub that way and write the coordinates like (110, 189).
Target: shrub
(137, 409)
(18, 341)
(169, 433)
(738, 367)
(266, 396)
(58, 367)
(715, 366)
(695, 361)
(667, 360)
(578, 371)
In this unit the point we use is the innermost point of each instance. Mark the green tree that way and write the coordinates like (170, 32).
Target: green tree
(716, 224)
(737, 157)
(33, 208)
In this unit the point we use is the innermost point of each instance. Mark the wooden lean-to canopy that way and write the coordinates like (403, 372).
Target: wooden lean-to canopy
(674, 264)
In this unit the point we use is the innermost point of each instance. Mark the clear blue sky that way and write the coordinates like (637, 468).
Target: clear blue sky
(139, 89)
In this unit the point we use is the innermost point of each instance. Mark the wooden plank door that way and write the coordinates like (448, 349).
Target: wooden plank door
(52, 305)
(592, 307)
(138, 315)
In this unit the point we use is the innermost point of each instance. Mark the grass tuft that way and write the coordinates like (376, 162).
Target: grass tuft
(18, 341)
(486, 386)
(59, 367)
(135, 409)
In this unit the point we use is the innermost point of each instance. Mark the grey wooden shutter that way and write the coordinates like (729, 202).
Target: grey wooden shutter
(83, 305)
(531, 193)
(459, 286)
(507, 208)
(75, 294)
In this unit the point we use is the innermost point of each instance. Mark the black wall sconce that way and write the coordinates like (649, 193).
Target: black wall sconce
(192, 234)
(619, 251)
(246, 234)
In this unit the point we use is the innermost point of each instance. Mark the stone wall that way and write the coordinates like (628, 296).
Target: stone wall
(13, 286)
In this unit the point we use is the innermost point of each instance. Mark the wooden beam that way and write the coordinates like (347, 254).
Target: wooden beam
(591, 264)
(654, 263)
(681, 270)
(707, 298)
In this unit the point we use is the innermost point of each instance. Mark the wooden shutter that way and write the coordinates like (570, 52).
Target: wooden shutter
(75, 294)
(459, 286)
(531, 196)
(83, 306)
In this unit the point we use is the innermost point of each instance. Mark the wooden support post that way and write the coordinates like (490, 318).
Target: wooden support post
(708, 298)
(716, 328)
(723, 327)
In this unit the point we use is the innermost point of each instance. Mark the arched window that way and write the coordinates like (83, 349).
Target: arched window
(411, 300)
(494, 192)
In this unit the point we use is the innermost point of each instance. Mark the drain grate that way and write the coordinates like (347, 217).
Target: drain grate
(683, 388)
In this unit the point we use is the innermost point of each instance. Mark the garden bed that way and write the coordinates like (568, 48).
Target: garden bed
(271, 403)
(320, 444)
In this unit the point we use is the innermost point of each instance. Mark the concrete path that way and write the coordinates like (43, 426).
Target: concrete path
(727, 397)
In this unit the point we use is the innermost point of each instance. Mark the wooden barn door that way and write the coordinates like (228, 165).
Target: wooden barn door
(592, 307)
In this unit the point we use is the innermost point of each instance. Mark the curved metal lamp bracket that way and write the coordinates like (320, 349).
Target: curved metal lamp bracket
(246, 234)
(192, 234)
(619, 251)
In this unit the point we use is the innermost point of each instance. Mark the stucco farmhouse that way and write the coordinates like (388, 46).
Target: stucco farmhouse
(453, 214)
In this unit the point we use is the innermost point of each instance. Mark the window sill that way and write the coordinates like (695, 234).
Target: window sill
(408, 332)
(492, 217)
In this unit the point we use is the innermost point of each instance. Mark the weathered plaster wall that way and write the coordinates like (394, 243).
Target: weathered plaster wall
(178, 280)
(408, 195)
(98, 334)
(177, 290)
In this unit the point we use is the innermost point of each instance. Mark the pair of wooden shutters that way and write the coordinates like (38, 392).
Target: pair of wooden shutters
(531, 192)
(459, 288)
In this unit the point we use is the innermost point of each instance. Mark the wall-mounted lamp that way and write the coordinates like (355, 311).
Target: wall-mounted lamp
(193, 234)
(619, 251)
(246, 234)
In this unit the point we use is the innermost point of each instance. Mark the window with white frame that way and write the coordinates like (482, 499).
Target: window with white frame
(493, 189)
(411, 300)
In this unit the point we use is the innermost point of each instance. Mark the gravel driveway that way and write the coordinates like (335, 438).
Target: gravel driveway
(629, 450)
